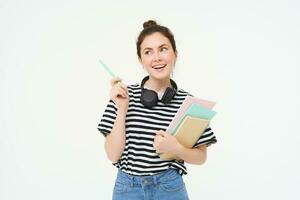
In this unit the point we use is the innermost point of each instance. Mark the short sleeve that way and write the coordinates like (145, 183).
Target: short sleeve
(108, 118)
(207, 138)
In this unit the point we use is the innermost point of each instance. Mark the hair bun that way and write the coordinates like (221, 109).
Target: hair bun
(149, 23)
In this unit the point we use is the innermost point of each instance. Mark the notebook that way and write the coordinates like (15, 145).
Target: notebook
(187, 133)
(185, 105)
(194, 110)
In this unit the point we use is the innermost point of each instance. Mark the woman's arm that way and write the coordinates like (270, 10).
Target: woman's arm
(166, 143)
(192, 156)
(115, 141)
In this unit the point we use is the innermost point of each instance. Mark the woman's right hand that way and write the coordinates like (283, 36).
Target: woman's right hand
(119, 93)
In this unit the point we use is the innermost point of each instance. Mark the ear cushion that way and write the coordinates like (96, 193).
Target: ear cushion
(149, 98)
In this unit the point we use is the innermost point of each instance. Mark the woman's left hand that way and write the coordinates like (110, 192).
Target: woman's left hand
(165, 143)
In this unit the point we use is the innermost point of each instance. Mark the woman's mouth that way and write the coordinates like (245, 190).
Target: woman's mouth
(158, 67)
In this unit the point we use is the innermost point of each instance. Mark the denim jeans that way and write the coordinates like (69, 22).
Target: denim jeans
(167, 185)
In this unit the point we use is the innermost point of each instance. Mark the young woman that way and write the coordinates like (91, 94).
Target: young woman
(135, 120)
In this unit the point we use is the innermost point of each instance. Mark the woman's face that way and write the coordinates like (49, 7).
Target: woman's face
(157, 56)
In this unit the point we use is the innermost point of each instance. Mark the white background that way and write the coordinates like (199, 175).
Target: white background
(242, 54)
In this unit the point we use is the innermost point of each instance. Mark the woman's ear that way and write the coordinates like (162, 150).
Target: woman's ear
(140, 60)
(175, 57)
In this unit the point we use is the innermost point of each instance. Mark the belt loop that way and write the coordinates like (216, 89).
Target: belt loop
(155, 180)
(131, 181)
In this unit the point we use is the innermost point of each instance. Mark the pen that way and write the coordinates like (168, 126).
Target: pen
(107, 69)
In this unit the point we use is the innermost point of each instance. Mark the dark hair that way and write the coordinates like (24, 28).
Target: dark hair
(150, 27)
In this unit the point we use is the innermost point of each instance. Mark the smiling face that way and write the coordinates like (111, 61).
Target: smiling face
(157, 56)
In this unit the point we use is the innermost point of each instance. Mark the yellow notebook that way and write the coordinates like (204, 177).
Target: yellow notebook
(187, 133)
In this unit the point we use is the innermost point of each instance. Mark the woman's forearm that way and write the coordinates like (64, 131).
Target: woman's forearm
(192, 156)
(115, 141)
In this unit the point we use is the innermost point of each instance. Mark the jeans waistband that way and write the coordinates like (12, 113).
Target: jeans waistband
(147, 180)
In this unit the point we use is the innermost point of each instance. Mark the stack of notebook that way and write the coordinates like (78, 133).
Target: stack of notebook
(190, 122)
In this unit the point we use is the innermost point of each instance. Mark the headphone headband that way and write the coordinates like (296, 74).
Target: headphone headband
(173, 83)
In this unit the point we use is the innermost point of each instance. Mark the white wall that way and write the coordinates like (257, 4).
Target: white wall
(243, 55)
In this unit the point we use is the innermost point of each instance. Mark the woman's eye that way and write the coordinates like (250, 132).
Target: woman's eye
(164, 49)
(147, 52)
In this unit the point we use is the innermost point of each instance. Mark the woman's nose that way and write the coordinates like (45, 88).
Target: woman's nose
(156, 56)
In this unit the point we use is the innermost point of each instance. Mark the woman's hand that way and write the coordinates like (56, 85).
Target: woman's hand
(166, 143)
(119, 94)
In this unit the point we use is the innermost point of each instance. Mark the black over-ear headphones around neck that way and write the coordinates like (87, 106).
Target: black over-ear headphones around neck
(149, 98)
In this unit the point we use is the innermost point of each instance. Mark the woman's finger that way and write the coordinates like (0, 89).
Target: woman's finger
(122, 92)
(122, 85)
(115, 80)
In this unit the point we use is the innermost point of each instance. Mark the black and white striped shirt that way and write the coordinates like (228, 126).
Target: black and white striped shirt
(139, 156)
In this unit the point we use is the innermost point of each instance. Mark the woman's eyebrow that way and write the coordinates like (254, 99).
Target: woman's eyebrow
(163, 45)
(149, 48)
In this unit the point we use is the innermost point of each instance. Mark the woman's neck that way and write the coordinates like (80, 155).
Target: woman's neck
(158, 85)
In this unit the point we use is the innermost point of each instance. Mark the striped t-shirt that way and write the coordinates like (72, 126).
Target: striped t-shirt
(139, 156)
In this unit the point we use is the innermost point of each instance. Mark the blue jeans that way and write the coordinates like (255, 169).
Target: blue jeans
(162, 186)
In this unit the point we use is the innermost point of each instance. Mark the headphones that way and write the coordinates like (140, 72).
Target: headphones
(149, 98)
